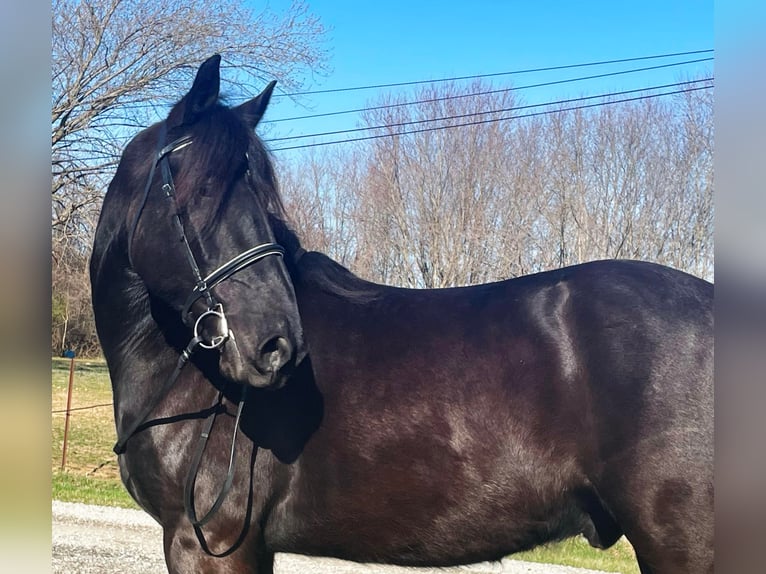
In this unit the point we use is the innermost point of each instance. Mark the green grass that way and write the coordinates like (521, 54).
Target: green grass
(73, 487)
(577, 552)
(91, 474)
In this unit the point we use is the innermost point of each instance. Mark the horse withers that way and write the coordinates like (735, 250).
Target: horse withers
(380, 424)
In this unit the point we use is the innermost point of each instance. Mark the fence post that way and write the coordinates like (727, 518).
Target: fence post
(69, 354)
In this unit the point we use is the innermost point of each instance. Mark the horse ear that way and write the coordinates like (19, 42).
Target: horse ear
(252, 111)
(204, 91)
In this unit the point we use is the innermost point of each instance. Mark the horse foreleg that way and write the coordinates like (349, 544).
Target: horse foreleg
(184, 554)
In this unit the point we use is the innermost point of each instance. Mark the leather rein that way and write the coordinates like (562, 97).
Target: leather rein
(202, 289)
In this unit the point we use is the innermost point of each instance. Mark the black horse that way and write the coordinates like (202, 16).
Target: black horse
(379, 424)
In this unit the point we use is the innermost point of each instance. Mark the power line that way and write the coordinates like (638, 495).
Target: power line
(155, 105)
(514, 72)
(479, 122)
(162, 103)
(485, 93)
(498, 111)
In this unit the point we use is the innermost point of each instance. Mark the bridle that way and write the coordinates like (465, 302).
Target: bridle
(203, 286)
(202, 289)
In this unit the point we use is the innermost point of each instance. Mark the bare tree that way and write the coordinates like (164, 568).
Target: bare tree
(432, 198)
(116, 61)
(631, 181)
(118, 64)
(321, 194)
(497, 199)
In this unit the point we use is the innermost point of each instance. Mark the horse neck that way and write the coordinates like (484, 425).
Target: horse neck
(137, 352)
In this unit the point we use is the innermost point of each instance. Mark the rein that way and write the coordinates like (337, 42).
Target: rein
(202, 289)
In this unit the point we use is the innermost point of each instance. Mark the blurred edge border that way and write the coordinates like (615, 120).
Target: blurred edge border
(740, 297)
(740, 286)
(25, 77)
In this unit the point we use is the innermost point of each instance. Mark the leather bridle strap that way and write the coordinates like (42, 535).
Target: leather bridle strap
(191, 478)
(122, 441)
(228, 269)
(170, 192)
(201, 289)
(203, 285)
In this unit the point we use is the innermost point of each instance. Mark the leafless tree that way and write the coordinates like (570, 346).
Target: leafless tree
(496, 199)
(631, 181)
(118, 64)
(321, 194)
(115, 62)
(433, 197)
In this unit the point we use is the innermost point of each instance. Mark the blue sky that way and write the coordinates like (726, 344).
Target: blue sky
(399, 41)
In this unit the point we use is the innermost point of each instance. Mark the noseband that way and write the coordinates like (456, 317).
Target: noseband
(202, 289)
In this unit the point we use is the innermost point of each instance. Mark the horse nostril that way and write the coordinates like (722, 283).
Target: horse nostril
(274, 354)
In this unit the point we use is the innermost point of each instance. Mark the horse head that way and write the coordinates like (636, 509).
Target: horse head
(199, 191)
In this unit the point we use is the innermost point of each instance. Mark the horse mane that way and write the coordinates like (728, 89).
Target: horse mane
(220, 138)
(334, 279)
(262, 167)
(221, 135)
(320, 270)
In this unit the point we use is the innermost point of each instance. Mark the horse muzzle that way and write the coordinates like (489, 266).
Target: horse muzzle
(269, 365)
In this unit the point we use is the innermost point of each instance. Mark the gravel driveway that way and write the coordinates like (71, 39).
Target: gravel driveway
(99, 540)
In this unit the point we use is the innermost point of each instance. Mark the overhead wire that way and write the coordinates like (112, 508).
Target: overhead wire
(484, 112)
(488, 92)
(495, 74)
(156, 105)
(490, 120)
